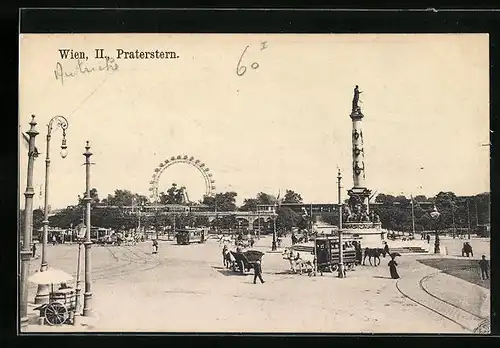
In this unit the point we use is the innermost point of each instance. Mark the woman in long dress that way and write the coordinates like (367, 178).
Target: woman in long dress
(392, 268)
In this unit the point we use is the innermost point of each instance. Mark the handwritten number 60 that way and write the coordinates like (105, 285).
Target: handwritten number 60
(241, 69)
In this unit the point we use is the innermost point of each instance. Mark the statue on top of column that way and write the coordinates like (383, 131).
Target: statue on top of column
(355, 100)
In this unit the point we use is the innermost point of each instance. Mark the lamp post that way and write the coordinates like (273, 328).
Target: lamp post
(273, 245)
(216, 218)
(87, 296)
(341, 250)
(435, 216)
(42, 294)
(412, 217)
(28, 220)
(468, 220)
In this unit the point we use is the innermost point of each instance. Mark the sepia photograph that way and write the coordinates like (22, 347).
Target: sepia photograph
(254, 183)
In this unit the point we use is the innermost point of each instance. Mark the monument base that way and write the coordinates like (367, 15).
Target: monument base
(371, 233)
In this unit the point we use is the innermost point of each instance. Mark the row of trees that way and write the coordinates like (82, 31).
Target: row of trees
(395, 211)
(456, 212)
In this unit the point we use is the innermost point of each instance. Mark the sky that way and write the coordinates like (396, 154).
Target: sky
(283, 124)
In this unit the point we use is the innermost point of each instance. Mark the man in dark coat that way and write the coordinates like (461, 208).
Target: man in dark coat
(428, 239)
(483, 264)
(386, 249)
(258, 273)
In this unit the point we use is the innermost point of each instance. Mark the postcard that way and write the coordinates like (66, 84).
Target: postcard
(254, 183)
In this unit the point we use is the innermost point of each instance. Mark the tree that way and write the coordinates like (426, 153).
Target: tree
(249, 204)
(174, 195)
(225, 201)
(120, 198)
(265, 198)
(183, 220)
(94, 197)
(420, 198)
(292, 197)
(227, 221)
(38, 216)
(201, 221)
(72, 215)
(286, 219)
(385, 199)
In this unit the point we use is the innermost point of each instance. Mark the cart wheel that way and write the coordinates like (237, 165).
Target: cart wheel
(56, 313)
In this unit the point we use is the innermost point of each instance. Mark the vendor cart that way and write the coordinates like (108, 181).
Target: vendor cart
(61, 307)
(62, 303)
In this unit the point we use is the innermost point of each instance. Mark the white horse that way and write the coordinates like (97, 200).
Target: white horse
(303, 260)
(288, 254)
(227, 257)
(130, 240)
(224, 239)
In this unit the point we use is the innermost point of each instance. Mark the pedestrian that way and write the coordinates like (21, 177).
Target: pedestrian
(258, 272)
(386, 249)
(34, 250)
(224, 252)
(428, 238)
(155, 246)
(392, 268)
(483, 264)
(54, 240)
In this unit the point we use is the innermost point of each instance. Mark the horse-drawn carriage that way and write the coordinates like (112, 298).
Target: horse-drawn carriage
(245, 261)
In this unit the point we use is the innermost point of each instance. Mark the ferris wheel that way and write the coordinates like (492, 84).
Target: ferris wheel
(202, 168)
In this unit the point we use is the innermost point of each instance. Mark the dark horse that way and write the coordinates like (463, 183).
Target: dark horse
(467, 249)
(375, 253)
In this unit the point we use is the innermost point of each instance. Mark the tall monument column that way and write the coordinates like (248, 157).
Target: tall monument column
(359, 194)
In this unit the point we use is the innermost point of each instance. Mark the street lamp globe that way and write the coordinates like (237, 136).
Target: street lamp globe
(64, 149)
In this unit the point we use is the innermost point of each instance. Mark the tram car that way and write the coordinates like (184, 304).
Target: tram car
(190, 235)
(98, 234)
(327, 252)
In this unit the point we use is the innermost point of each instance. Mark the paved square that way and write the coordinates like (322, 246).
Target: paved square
(187, 289)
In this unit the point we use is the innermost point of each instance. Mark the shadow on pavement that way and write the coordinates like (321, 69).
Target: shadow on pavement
(283, 273)
(381, 277)
(228, 272)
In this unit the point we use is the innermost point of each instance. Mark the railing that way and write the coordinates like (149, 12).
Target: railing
(361, 225)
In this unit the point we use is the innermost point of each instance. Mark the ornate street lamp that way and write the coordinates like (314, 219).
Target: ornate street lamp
(87, 296)
(435, 216)
(28, 221)
(341, 247)
(275, 215)
(42, 295)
